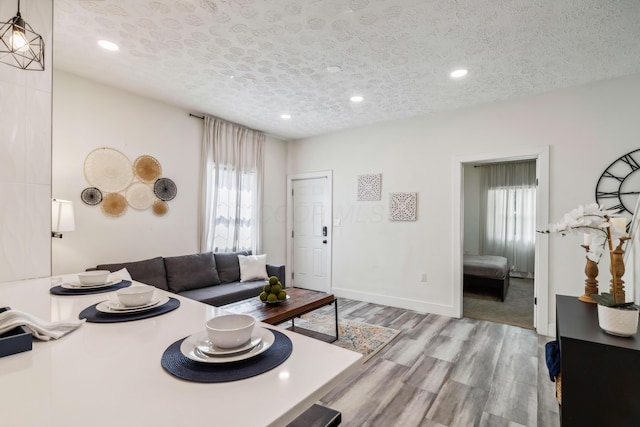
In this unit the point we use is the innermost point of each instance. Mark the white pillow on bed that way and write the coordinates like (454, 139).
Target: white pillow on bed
(253, 267)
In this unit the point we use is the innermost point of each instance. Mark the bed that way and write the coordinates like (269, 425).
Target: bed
(486, 271)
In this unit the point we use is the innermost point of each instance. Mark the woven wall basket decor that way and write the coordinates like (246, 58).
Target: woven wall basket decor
(115, 183)
(160, 207)
(147, 169)
(165, 189)
(108, 169)
(140, 196)
(114, 204)
(91, 196)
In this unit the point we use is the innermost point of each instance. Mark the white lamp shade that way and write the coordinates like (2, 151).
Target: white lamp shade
(62, 218)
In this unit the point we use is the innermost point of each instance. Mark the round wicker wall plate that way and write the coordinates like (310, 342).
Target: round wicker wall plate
(165, 189)
(160, 207)
(140, 195)
(147, 169)
(91, 196)
(108, 170)
(114, 204)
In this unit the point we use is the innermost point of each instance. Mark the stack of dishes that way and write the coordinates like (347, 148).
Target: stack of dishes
(114, 306)
(199, 348)
(133, 299)
(91, 280)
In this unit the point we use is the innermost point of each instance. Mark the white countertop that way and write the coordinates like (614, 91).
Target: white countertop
(110, 374)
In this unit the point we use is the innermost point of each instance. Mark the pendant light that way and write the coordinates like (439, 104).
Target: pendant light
(20, 46)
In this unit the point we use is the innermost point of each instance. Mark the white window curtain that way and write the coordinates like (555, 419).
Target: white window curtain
(508, 201)
(231, 187)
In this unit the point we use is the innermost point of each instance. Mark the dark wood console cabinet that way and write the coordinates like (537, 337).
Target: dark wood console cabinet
(600, 372)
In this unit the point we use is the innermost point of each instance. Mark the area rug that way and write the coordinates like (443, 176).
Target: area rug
(362, 337)
(516, 310)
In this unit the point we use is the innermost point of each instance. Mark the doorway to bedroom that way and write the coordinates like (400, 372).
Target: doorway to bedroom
(499, 241)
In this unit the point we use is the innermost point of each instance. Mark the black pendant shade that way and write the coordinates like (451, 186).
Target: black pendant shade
(20, 46)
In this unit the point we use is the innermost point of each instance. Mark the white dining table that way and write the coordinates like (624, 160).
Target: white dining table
(110, 374)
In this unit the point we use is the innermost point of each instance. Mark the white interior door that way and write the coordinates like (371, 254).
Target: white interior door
(311, 232)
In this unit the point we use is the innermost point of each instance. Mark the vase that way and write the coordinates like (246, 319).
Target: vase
(618, 321)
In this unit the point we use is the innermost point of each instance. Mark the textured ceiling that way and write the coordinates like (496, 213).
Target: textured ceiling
(248, 61)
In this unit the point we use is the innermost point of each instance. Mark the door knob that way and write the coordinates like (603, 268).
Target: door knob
(324, 241)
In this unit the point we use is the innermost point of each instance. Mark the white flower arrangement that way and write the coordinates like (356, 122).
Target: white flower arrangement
(593, 220)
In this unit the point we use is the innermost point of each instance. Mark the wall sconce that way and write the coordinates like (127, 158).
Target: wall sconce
(20, 46)
(62, 218)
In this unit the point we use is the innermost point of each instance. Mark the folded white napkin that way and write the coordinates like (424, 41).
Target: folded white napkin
(122, 274)
(40, 329)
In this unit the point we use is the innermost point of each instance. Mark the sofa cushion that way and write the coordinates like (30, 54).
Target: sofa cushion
(191, 271)
(252, 267)
(149, 271)
(228, 266)
(225, 293)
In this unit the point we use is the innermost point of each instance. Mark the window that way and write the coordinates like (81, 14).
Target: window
(231, 210)
(235, 219)
(508, 224)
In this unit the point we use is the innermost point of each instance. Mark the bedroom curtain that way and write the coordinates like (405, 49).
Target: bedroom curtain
(508, 198)
(232, 164)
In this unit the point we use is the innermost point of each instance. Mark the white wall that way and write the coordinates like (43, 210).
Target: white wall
(88, 115)
(25, 156)
(274, 210)
(471, 210)
(377, 260)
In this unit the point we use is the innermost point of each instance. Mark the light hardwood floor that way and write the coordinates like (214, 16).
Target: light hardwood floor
(446, 372)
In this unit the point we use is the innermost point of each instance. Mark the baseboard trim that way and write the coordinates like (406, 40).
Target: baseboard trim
(405, 303)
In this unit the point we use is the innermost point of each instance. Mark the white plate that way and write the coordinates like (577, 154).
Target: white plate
(116, 305)
(205, 346)
(78, 285)
(188, 347)
(104, 307)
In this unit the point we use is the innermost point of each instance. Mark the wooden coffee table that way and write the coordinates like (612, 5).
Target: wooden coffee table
(301, 301)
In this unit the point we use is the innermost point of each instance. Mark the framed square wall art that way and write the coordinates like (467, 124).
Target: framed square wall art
(403, 206)
(369, 187)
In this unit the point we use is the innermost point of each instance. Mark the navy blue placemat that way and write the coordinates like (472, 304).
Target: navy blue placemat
(178, 365)
(94, 316)
(59, 290)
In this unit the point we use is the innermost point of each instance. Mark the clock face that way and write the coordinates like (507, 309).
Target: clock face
(619, 185)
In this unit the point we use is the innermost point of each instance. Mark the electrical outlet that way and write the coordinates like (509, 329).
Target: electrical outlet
(423, 277)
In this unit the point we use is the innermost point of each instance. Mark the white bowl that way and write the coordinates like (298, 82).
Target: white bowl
(230, 330)
(135, 295)
(95, 277)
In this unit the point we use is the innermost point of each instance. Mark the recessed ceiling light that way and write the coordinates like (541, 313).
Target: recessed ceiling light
(105, 44)
(459, 73)
(333, 69)
(356, 98)
(285, 116)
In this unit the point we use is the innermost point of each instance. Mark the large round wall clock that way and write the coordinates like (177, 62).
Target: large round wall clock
(619, 185)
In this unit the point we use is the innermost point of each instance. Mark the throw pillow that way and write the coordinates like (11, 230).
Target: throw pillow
(191, 272)
(253, 267)
(228, 266)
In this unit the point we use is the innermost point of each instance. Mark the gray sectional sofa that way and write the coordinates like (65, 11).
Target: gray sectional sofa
(212, 278)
